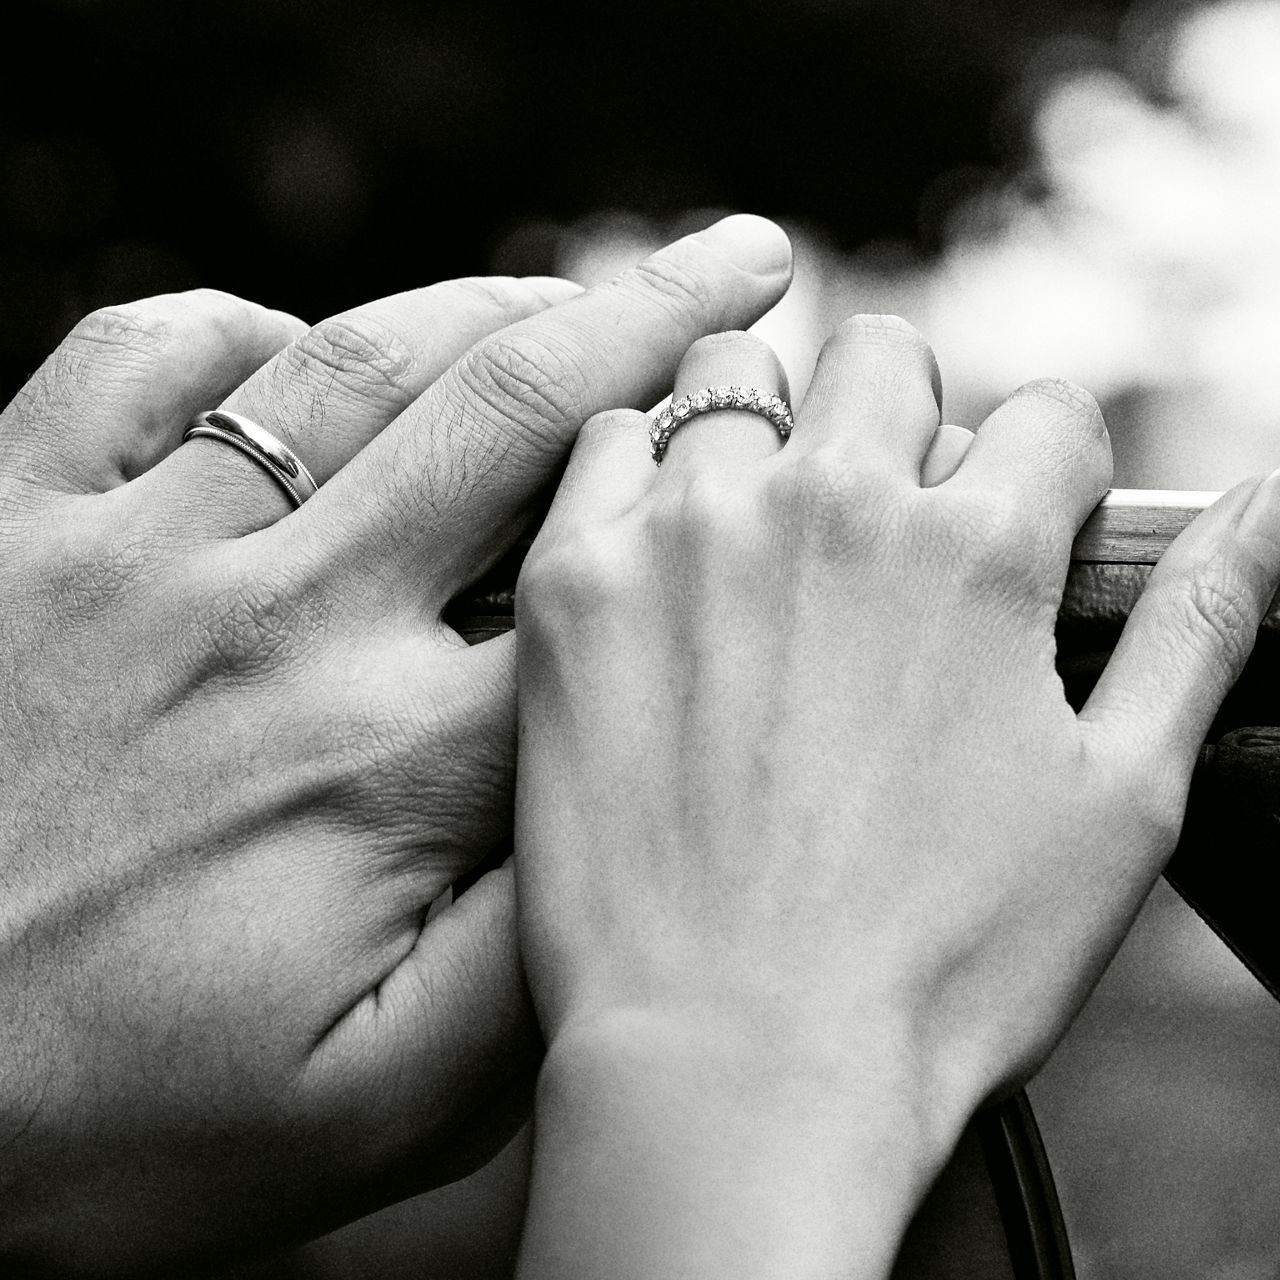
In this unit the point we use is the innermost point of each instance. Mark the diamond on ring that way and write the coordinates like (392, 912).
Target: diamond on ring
(769, 406)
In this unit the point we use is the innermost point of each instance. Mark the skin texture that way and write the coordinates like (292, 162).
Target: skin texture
(813, 856)
(241, 754)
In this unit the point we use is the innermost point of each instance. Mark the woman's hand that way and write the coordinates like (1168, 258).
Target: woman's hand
(812, 853)
(241, 754)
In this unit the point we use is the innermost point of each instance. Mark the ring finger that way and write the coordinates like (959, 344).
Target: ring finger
(720, 435)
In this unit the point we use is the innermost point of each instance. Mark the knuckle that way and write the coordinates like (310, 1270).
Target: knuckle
(1221, 618)
(129, 327)
(360, 751)
(702, 505)
(989, 523)
(504, 294)
(563, 585)
(528, 380)
(421, 768)
(992, 543)
(244, 626)
(359, 353)
(126, 337)
(677, 288)
(206, 301)
(602, 429)
(85, 567)
(837, 506)
(888, 351)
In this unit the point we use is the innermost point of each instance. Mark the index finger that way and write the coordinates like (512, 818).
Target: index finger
(447, 485)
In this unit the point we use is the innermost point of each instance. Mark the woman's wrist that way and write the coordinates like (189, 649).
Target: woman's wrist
(758, 1154)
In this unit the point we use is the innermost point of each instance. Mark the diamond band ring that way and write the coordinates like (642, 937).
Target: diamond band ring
(272, 455)
(749, 399)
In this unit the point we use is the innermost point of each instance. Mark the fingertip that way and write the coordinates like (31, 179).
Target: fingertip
(751, 243)
(1058, 394)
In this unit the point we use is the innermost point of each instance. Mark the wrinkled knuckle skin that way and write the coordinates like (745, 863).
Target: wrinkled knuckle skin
(416, 770)
(990, 525)
(107, 342)
(84, 569)
(991, 545)
(603, 428)
(527, 381)
(678, 289)
(504, 294)
(131, 336)
(137, 328)
(362, 355)
(1221, 617)
(245, 628)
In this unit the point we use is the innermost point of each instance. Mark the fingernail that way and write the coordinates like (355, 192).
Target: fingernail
(754, 244)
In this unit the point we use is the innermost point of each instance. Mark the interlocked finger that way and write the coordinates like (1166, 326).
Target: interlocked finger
(609, 471)
(332, 390)
(444, 490)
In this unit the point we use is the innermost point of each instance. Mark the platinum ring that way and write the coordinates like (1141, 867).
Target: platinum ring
(664, 425)
(272, 455)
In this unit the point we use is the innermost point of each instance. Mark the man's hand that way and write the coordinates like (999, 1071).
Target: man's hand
(241, 754)
(813, 854)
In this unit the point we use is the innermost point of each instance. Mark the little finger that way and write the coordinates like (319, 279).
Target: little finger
(1041, 462)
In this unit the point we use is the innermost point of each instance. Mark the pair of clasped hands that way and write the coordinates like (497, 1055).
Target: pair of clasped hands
(811, 854)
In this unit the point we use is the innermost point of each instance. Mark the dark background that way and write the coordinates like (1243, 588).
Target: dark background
(314, 155)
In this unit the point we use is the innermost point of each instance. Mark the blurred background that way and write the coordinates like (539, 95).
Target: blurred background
(1083, 189)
